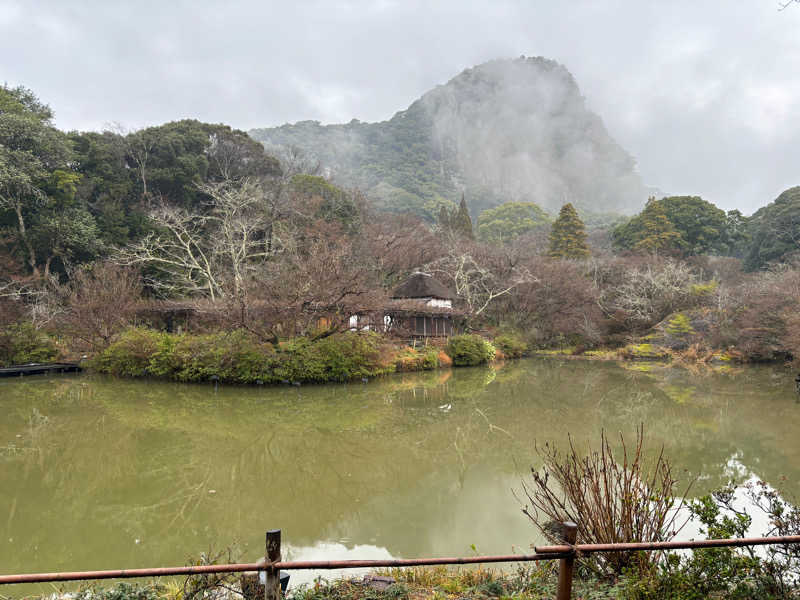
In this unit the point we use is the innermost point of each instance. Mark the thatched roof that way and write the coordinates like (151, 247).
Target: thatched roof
(422, 285)
(417, 308)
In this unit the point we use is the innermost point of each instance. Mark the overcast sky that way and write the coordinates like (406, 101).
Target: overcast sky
(705, 95)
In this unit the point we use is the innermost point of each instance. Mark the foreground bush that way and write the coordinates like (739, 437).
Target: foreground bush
(614, 497)
(736, 572)
(239, 357)
(22, 343)
(469, 350)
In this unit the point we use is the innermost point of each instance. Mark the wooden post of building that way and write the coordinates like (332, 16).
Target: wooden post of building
(272, 587)
(567, 565)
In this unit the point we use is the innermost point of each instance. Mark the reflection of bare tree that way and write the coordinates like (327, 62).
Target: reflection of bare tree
(475, 434)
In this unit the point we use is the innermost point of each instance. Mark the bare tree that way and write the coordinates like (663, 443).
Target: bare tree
(238, 224)
(209, 253)
(100, 301)
(560, 302)
(649, 293)
(399, 244)
(279, 202)
(178, 252)
(139, 146)
(314, 289)
(475, 283)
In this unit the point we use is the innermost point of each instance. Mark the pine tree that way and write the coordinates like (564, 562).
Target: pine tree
(444, 218)
(658, 233)
(568, 236)
(462, 223)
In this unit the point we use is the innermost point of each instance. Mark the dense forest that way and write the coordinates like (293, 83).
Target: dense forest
(101, 231)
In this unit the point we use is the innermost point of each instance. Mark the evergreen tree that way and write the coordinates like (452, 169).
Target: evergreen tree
(444, 218)
(41, 219)
(658, 233)
(462, 223)
(568, 236)
(510, 220)
(685, 224)
(775, 231)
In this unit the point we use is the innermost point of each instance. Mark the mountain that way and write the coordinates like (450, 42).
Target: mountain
(506, 130)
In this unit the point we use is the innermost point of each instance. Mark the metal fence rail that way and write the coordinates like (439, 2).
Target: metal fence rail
(566, 553)
(261, 566)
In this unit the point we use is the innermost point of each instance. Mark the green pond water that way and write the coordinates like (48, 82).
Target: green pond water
(99, 473)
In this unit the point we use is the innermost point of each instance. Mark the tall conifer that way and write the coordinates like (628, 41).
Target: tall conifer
(444, 218)
(568, 236)
(463, 222)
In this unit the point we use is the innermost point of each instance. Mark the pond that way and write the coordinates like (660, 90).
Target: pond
(101, 473)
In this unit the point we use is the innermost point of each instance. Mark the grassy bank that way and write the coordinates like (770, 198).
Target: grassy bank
(696, 355)
(439, 583)
(537, 582)
(435, 583)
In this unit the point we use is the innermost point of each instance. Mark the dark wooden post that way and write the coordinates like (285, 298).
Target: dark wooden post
(272, 587)
(566, 565)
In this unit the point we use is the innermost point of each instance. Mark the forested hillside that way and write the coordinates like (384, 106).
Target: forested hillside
(100, 232)
(507, 130)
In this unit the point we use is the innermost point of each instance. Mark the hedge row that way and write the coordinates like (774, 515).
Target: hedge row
(238, 357)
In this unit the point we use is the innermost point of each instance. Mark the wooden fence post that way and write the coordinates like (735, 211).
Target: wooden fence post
(272, 585)
(566, 565)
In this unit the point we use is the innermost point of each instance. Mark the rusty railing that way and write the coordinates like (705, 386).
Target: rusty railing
(272, 564)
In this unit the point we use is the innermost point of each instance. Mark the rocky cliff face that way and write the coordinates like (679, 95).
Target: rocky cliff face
(504, 130)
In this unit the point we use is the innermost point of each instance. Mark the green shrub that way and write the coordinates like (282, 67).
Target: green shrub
(469, 350)
(680, 325)
(236, 357)
(702, 291)
(22, 343)
(131, 355)
(239, 357)
(340, 357)
(643, 351)
(430, 359)
(706, 573)
(411, 359)
(511, 346)
(735, 572)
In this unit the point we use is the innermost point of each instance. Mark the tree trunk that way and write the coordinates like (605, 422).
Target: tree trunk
(47, 265)
(23, 236)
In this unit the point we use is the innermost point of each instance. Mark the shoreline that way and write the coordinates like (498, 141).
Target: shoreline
(238, 358)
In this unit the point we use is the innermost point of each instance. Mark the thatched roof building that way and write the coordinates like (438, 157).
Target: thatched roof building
(422, 287)
(421, 306)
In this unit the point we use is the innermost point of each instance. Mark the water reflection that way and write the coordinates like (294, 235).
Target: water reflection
(101, 473)
(331, 551)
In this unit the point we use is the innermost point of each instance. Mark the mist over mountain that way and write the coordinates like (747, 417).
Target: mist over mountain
(506, 130)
